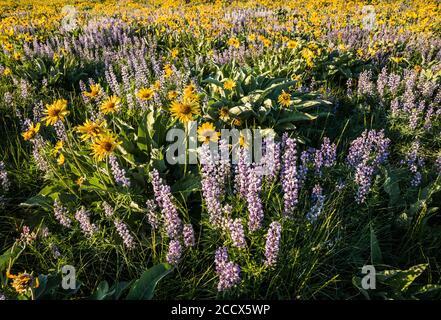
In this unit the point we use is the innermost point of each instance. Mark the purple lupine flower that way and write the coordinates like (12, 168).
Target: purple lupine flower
(325, 156)
(124, 233)
(27, 236)
(188, 232)
(4, 179)
(224, 166)
(174, 252)
(306, 158)
(271, 160)
(88, 228)
(366, 153)
(365, 85)
(272, 244)
(318, 200)
(119, 174)
(382, 82)
(38, 154)
(415, 162)
(108, 210)
(290, 182)
(60, 130)
(254, 202)
(237, 233)
(228, 272)
(163, 196)
(242, 168)
(152, 216)
(211, 186)
(61, 213)
(428, 118)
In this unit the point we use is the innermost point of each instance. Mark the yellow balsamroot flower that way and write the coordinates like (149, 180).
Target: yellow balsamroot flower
(397, 59)
(8, 46)
(284, 99)
(292, 44)
(56, 111)
(172, 95)
(229, 84)
(157, 85)
(145, 94)
(95, 91)
(90, 129)
(16, 56)
(23, 282)
(111, 105)
(234, 42)
(237, 122)
(31, 132)
(252, 37)
(224, 114)
(60, 160)
(174, 53)
(168, 71)
(185, 110)
(103, 146)
(58, 147)
(7, 72)
(207, 133)
(266, 43)
(190, 90)
(243, 141)
(79, 181)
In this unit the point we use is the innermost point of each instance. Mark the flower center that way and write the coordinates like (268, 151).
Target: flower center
(185, 109)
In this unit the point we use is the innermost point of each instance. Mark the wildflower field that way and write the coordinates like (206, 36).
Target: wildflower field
(266, 149)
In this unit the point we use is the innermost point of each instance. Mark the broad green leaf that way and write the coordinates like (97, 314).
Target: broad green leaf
(144, 287)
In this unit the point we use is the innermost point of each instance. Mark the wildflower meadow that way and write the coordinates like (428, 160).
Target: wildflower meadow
(172, 149)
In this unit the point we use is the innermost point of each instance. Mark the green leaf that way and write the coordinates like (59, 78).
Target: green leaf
(144, 287)
(102, 291)
(392, 188)
(401, 279)
(376, 257)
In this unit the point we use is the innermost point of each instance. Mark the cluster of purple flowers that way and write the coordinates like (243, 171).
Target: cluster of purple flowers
(325, 156)
(272, 244)
(174, 254)
(163, 197)
(124, 233)
(88, 228)
(415, 162)
(254, 202)
(237, 233)
(241, 171)
(366, 153)
(214, 172)
(61, 213)
(5, 184)
(152, 216)
(289, 176)
(188, 233)
(108, 209)
(119, 174)
(271, 159)
(318, 200)
(228, 271)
